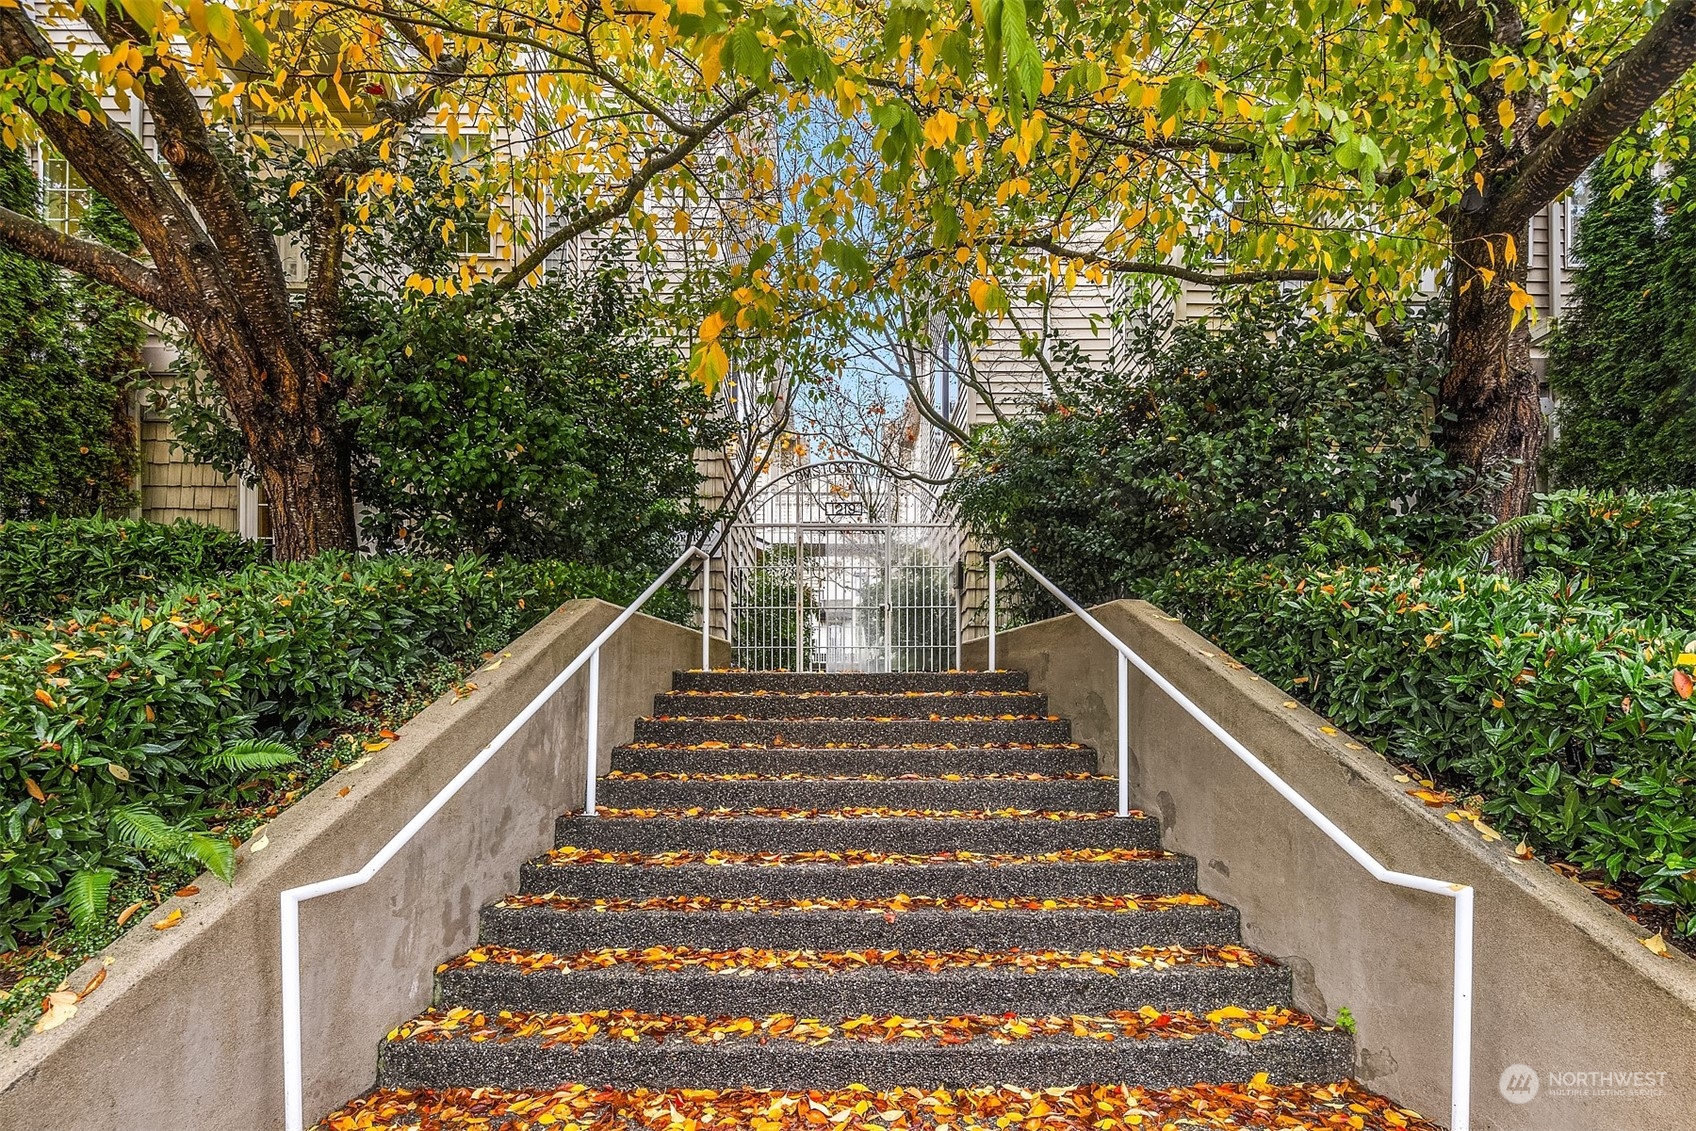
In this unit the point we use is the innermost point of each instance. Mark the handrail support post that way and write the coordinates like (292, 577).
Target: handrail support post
(706, 612)
(593, 737)
(1124, 736)
(992, 614)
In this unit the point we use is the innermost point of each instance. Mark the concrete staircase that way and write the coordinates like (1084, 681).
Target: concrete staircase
(861, 885)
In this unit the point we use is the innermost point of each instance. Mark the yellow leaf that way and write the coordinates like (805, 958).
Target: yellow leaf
(691, 7)
(57, 1008)
(711, 327)
(1657, 944)
(294, 189)
(1505, 114)
(709, 365)
(169, 921)
(940, 130)
(117, 771)
(376, 746)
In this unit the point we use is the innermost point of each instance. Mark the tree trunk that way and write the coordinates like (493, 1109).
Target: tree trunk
(286, 403)
(1490, 390)
(307, 489)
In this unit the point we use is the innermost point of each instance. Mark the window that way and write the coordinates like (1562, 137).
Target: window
(64, 193)
(1573, 208)
(470, 234)
(253, 516)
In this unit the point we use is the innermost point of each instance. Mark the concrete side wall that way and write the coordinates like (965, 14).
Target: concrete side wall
(185, 1032)
(1562, 983)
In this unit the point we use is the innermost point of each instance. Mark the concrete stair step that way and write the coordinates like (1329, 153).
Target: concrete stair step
(868, 731)
(1099, 1104)
(722, 758)
(564, 924)
(876, 682)
(602, 873)
(541, 1051)
(1081, 792)
(911, 704)
(837, 830)
(748, 981)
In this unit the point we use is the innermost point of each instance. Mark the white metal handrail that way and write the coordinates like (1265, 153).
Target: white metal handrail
(294, 1103)
(1460, 1083)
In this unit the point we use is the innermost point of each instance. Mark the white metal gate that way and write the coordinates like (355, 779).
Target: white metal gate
(841, 568)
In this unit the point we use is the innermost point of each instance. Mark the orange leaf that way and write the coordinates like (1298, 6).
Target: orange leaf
(45, 698)
(35, 790)
(125, 915)
(169, 921)
(93, 983)
(1681, 684)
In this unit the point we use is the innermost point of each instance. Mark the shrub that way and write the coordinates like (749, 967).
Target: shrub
(1622, 362)
(1568, 715)
(121, 727)
(1634, 548)
(536, 423)
(1250, 440)
(70, 352)
(49, 567)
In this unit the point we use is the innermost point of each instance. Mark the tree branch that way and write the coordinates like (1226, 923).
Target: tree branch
(110, 159)
(633, 189)
(29, 236)
(1630, 86)
(1174, 271)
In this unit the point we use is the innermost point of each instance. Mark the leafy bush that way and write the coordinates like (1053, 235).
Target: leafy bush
(70, 352)
(122, 727)
(1568, 715)
(536, 423)
(1622, 362)
(1268, 436)
(51, 566)
(1634, 548)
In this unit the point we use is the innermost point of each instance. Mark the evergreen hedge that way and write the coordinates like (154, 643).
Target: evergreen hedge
(47, 568)
(70, 355)
(1568, 716)
(123, 728)
(1623, 362)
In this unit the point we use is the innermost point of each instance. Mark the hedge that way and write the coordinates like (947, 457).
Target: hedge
(49, 566)
(1567, 715)
(1633, 547)
(122, 728)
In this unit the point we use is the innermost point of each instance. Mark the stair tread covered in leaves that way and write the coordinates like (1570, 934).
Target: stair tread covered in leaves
(895, 900)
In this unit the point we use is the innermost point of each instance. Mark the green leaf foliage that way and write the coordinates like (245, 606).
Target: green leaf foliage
(70, 353)
(123, 727)
(1553, 704)
(1623, 362)
(539, 423)
(1267, 436)
(87, 893)
(1630, 547)
(50, 567)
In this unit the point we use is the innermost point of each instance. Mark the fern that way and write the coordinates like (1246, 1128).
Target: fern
(86, 895)
(250, 755)
(143, 829)
(1513, 527)
(181, 845)
(215, 854)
